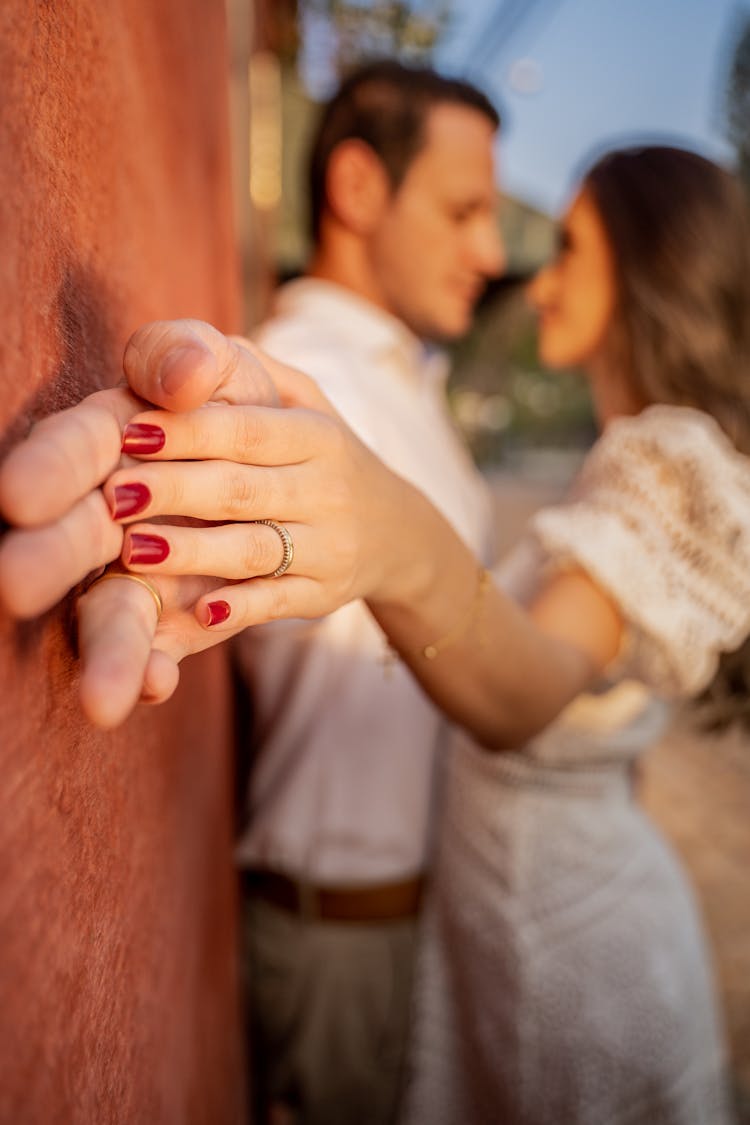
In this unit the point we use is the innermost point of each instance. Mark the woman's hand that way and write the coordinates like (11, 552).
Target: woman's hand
(50, 483)
(233, 466)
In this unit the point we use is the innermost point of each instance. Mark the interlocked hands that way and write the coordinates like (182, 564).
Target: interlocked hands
(84, 489)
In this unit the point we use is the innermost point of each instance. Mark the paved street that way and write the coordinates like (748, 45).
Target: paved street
(698, 789)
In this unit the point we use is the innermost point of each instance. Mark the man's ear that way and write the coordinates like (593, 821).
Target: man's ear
(357, 186)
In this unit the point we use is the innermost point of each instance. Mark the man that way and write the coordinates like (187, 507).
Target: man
(342, 795)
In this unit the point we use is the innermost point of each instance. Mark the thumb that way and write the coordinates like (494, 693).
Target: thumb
(181, 364)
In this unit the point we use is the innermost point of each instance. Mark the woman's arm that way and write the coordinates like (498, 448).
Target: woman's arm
(360, 531)
(504, 672)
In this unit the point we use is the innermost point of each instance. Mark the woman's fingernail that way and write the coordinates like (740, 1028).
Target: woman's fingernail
(216, 612)
(179, 365)
(142, 437)
(129, 499)
(146, 549)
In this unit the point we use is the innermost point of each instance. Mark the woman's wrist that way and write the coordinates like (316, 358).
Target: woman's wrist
(429, 579)
(404, 545)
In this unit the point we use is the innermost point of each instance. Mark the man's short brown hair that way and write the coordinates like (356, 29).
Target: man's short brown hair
(385, 104)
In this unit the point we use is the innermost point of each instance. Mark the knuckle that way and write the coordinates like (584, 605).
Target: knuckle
(248, 432)
(339, 495)
(102, 537)
(335, 435)
(142, 606)
(262, 550)
(185, 547)
(198, 432)
(278, 600)
(147, 344)
(230, 357)
(167, 487)
(238, 494)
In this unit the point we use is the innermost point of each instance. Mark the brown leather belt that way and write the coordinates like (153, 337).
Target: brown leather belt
(379, 902)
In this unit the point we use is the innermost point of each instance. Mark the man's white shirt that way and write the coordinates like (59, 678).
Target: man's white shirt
(344, 777)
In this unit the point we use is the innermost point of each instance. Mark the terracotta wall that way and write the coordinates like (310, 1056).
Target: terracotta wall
(117, 970)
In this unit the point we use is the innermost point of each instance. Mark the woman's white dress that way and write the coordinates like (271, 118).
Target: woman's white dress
(565, 978)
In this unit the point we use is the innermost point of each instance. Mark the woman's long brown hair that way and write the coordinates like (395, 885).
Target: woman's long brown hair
(679, 228)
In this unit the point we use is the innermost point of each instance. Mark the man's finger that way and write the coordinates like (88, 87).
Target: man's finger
(161, 677)
(293, 387)
(117, 622)
(182, 364)
(39, 566)
(127, 655)
(64, 457)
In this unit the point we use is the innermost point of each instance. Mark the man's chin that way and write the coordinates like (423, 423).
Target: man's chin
(448, 326)
(455, 329)
(452, 326)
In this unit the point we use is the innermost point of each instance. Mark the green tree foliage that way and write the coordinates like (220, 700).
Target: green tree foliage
(405, 29)
(738, 102)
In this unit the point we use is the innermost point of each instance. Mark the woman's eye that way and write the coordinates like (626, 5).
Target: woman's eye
(563, 242)
(462, 213)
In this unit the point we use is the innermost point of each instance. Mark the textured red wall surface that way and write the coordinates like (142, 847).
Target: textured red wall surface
(117, 912)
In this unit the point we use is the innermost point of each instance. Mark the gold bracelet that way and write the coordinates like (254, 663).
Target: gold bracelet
(429, 652)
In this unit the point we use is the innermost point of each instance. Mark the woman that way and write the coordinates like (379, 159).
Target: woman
(564, 976)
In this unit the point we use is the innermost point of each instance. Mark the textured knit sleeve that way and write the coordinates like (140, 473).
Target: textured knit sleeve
(660, 520)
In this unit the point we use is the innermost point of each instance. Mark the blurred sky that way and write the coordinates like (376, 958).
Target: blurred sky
(573, 74)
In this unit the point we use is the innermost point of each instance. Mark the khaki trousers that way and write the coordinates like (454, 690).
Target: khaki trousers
(328, 1016)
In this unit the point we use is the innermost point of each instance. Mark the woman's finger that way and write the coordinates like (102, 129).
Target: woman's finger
(228, 609)
(211, 490)
(250, 435)
(233, 551)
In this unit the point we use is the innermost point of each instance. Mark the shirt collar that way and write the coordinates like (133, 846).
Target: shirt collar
(365, 327)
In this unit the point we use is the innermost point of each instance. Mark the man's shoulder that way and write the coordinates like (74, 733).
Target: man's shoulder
(296, 328)
(312, 348)
(314, 339)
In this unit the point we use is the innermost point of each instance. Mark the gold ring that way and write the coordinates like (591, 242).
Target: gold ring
(133, 578)
(287, 544)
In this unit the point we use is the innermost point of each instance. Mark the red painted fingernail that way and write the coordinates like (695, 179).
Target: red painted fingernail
(129, 499)
(146, 549)
(218, 612)
(142, 437)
